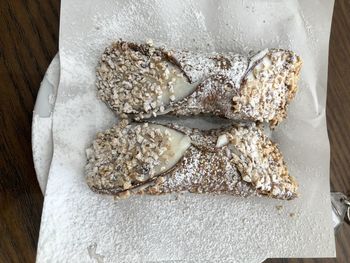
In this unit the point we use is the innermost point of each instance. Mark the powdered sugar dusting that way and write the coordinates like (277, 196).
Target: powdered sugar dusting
(123, 160)
(186, 227)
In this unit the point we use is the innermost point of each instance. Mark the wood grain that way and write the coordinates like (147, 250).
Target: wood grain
(28, 42)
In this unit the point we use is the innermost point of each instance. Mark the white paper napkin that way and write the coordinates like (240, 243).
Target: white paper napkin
(81, 226)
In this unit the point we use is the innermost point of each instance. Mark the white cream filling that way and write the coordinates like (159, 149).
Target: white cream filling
(179, 143)
(179, 88)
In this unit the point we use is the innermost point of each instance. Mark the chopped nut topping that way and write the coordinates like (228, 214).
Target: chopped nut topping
(135, 80)
(147, 81)
(127, 154)
(269, 87)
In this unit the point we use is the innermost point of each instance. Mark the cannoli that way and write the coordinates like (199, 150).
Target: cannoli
(142, 81)
(149, 158)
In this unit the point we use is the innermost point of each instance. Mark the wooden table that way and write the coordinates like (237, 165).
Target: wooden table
(28, 42)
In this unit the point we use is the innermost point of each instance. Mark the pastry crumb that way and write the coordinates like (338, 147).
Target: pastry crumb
(279, 207)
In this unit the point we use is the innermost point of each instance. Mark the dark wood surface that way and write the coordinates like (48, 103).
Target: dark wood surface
(28, 42)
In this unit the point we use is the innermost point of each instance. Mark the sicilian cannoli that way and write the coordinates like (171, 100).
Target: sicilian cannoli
(142, 80)
(149, 158)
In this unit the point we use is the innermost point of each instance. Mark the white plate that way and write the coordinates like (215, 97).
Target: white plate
(42, 122)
